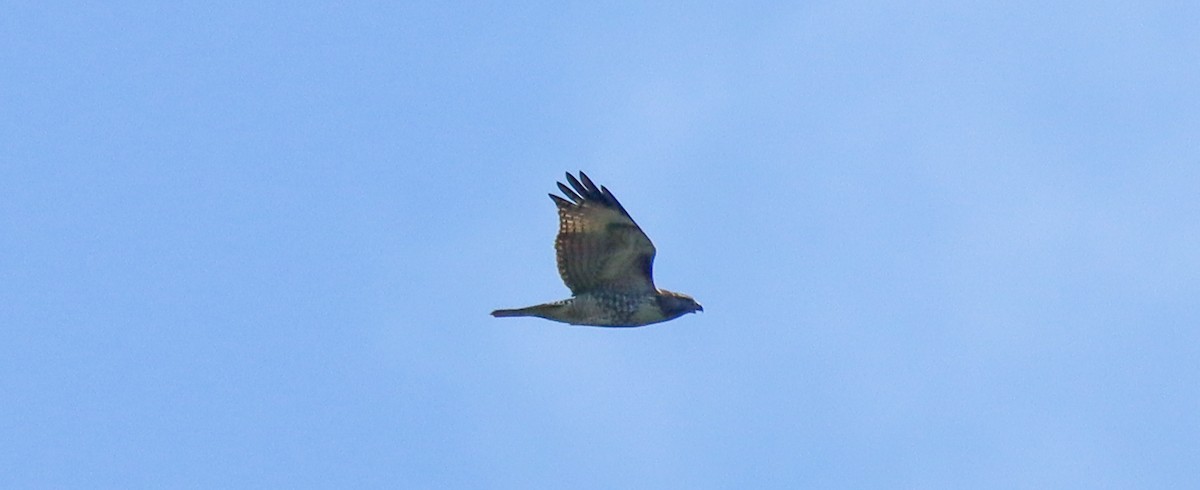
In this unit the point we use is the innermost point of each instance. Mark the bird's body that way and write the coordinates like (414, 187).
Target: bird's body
(607, 262)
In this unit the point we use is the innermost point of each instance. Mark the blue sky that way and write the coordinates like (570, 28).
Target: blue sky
(939, 244)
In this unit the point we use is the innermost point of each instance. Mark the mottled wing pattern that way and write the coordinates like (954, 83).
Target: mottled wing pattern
(600, 248)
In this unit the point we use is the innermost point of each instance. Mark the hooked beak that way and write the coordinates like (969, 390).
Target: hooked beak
(699, 308)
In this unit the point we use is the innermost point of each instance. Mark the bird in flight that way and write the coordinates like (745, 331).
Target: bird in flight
(607, 262)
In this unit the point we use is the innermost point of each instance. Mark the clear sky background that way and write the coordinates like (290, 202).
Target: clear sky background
(939, 244)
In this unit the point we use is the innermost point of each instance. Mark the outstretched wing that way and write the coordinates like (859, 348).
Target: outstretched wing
(599, 246)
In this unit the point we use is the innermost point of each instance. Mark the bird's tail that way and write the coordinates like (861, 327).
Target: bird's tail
(543, 311)
(530, 311)
(512, 312)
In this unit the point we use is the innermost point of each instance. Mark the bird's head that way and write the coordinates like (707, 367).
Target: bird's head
(675, 304)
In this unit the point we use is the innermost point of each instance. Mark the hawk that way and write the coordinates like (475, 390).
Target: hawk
(607, 262)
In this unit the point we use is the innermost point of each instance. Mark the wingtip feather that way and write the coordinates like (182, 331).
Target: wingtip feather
(569, 193)
(558, 201)
(587, 182)
(575, 183)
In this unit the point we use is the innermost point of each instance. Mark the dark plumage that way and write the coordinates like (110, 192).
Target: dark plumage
(607, 262)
